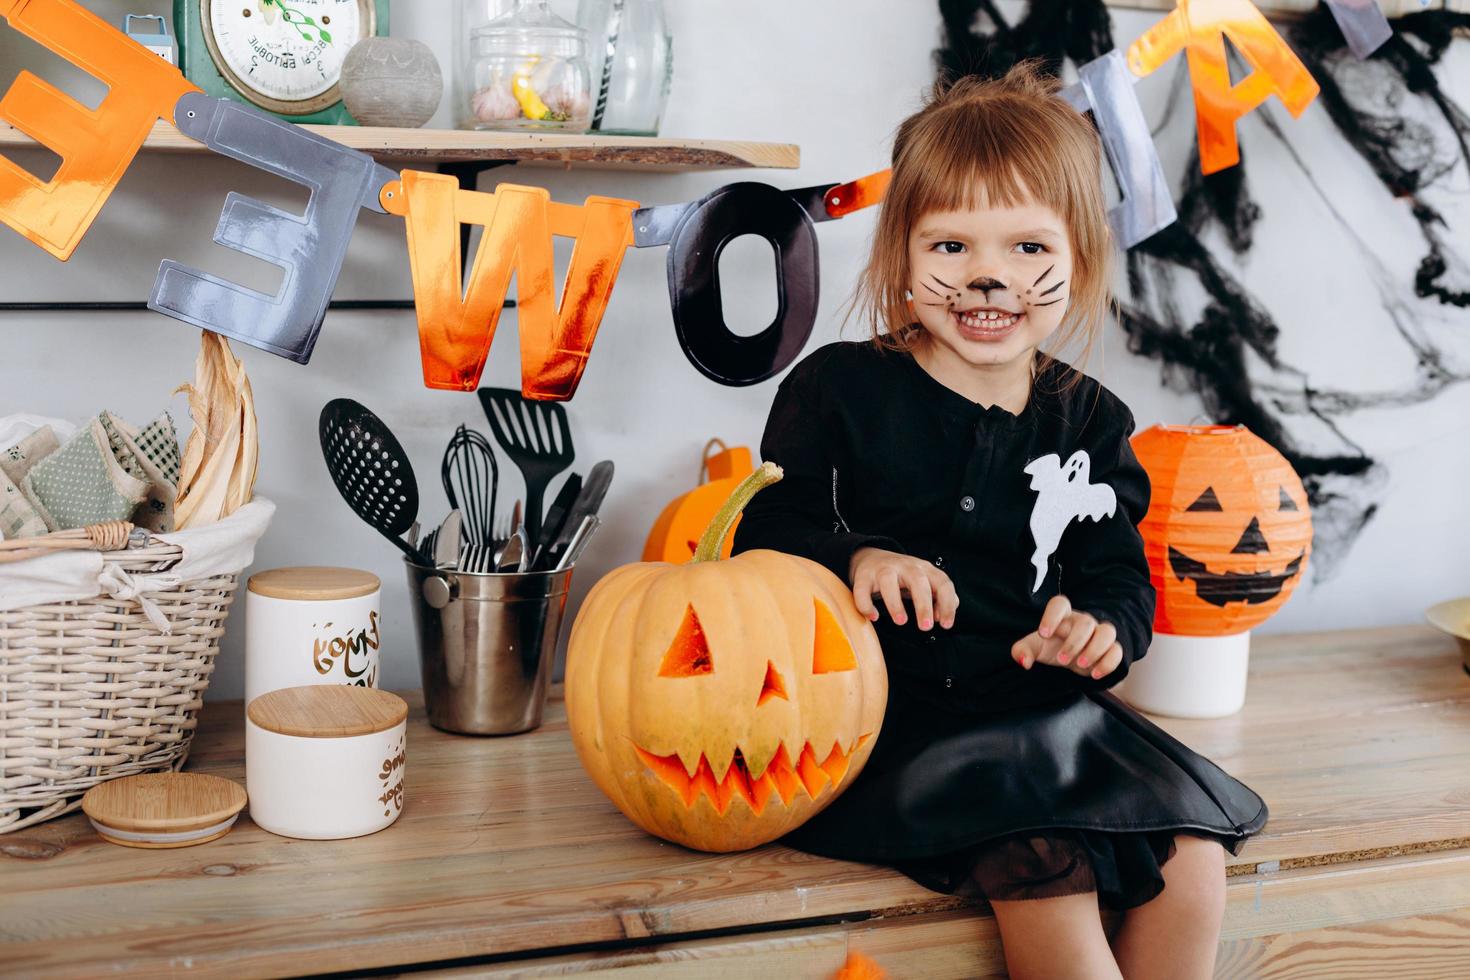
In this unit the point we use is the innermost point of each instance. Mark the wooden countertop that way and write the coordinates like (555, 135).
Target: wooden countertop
(1357, 740)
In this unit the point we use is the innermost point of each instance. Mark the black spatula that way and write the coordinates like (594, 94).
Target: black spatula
(370, 469)
(537, 439)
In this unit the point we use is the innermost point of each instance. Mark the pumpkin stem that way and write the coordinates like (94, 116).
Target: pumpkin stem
(713, 540)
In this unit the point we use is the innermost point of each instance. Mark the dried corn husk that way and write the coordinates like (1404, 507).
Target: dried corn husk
(221, 456)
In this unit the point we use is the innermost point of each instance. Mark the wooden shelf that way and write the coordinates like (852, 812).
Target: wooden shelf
(428, 146)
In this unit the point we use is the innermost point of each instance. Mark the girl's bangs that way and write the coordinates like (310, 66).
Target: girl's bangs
(974, 163)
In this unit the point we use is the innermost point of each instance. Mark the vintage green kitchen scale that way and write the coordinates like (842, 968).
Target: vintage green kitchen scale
(283, 56)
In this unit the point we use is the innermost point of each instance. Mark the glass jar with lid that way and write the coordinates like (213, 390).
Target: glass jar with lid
(529, 71)
(471, 16)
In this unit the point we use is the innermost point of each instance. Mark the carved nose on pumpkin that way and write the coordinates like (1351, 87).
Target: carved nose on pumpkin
(1252, 541)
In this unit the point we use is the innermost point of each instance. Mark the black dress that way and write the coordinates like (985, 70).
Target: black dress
(988, 778)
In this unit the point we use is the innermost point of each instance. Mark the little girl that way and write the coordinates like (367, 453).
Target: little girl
(951, 463)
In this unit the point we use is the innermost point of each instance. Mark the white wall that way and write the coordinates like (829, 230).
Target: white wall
(834, 76)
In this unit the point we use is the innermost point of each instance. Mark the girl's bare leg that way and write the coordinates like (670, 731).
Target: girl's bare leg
(1055, 939)
(1175, 935)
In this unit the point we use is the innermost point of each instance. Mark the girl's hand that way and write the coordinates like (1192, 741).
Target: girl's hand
(1072, 639)
(891, 575)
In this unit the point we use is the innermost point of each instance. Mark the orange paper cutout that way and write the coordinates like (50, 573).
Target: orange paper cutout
(95, 145)
(1200, 28)
(457, 326)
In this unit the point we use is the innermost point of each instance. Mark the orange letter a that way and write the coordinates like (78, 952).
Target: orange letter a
(1200, 27)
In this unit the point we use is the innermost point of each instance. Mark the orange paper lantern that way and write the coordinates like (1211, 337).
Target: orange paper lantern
(676, 533)
(722, 703)
(1228, 530)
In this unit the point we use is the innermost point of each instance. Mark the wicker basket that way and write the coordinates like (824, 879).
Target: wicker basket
(91, 690)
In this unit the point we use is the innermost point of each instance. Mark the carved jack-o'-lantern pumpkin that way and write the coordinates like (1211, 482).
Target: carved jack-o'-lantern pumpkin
(1228, 531)
(721, 703)
(676, 533)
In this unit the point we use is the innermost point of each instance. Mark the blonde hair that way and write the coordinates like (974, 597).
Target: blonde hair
(1015, 137)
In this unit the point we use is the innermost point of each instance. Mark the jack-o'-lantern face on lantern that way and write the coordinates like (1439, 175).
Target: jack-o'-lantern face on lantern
(1228, 531)
(720, 704)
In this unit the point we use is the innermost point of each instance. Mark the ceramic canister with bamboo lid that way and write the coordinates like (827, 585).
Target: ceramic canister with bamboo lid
(311, 625)
(325, 761)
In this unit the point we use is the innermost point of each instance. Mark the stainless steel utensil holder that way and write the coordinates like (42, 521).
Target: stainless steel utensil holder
(486, 645)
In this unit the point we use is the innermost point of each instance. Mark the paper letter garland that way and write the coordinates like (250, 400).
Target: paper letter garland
(455, 330)
(95, 145)
(695, 234)
(1362, 23)
(456, 327)
(1105, 87)
(310, 247)
(1200, 27)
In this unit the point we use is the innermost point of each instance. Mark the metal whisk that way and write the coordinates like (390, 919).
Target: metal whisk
(471, 482)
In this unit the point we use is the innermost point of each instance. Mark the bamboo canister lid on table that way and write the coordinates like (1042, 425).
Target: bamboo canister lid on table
(312, 583)
(164, 809)
(327, 711)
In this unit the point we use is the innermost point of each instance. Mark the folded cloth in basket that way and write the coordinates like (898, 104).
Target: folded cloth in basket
(18, 460)
(18, 519)
(84, 483)
(150, 455)
(18, 515)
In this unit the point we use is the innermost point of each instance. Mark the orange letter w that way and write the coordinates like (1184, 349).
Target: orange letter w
(456, 326)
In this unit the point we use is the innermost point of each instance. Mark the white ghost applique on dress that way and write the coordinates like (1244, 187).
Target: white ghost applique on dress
(1063, 493)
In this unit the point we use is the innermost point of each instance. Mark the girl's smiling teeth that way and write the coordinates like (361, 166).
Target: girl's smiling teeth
(986, 321)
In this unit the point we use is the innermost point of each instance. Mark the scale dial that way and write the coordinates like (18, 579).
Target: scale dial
(285, 55)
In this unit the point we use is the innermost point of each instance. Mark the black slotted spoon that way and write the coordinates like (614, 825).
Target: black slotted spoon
(370, 469)
(536, 437)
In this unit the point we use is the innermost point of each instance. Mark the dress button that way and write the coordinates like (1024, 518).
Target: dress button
(949, 682)
(939, 561)
(932, 638)
(967, 503)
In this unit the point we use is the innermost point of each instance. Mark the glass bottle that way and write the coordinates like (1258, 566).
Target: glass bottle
(529, 70)
(632, 64)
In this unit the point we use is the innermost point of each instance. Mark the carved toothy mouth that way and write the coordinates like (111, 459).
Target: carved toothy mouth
(779, 778)
(1251, 588)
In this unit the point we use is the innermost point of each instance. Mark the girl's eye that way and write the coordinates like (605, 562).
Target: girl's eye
(1039, 248)
(949, 248)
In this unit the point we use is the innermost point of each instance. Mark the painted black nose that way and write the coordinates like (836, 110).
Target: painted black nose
(985, 284)
(1252, 541)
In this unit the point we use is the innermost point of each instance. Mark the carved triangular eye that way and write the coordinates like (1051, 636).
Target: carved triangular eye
(832, 651)
(1206, 501)
(689, 654)
(1286, 502)
(774, 686)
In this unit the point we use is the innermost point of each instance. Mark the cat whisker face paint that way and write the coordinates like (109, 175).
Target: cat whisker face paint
(990, 282)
